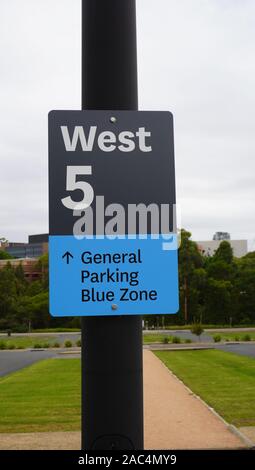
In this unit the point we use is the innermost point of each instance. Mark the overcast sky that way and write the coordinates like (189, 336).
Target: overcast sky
(196, 59)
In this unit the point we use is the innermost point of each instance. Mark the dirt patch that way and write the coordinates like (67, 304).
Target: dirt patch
(41, 441)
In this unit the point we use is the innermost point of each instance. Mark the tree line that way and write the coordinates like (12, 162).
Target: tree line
(24, 305)
(218, 289)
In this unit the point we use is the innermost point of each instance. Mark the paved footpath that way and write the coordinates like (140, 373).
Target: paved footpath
(174, 419)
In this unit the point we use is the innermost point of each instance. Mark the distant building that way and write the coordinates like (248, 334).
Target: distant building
(30, 266)
(37, 246)
(221, 236)
(41, 238)
(208, 248)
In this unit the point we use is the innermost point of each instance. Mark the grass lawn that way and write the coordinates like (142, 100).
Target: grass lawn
(31, 341)
(46, 395)
(158, 338)
(57, 330)
(26, 341)
(42, 397)
(155, 338)
(236, 336)
(225, 381)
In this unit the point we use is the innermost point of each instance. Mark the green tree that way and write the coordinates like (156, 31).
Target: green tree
(219, 269)
(218, 304)
(21, 282)
(39, 308)
(244, 287)
(43, 266)
(224, 252)
(33, 312)
(5, 255)
(221, 274)
(8, 296)
(190, 259)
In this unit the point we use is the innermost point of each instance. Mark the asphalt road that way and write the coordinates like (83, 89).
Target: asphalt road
(247, 349)
(186, 334)
(10, 361)
(59, 337)
(62, 337)
(183, 334)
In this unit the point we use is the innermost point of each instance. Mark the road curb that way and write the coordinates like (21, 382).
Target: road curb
(71, 351)
(170, 347)
(244, 438)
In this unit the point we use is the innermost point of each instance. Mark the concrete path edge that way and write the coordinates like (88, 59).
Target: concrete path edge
(231, 427)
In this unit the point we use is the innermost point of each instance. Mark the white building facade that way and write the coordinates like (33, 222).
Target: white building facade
(208, 248)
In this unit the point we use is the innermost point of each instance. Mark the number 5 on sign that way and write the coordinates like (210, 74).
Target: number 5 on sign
(71, 185)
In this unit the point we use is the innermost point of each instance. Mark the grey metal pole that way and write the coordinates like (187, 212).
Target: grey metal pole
(112, 386)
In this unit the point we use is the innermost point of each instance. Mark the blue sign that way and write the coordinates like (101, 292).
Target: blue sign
(113, 244)
(109, 277)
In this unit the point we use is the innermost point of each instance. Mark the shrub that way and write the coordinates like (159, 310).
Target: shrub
(2, 345)
(11, 346)
(188, 341)
(46, 345)
(246, 338)
(56, 345)
(37, 346)
(165, 340)
(68, 344)
(197, 329)
(78, 343)
(176, 340)
(237, 338)
(217, 338)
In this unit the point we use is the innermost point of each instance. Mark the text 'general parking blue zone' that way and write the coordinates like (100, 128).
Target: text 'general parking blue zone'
(124, 276)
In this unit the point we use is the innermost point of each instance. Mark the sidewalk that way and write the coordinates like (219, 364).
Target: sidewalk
(174, 419)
